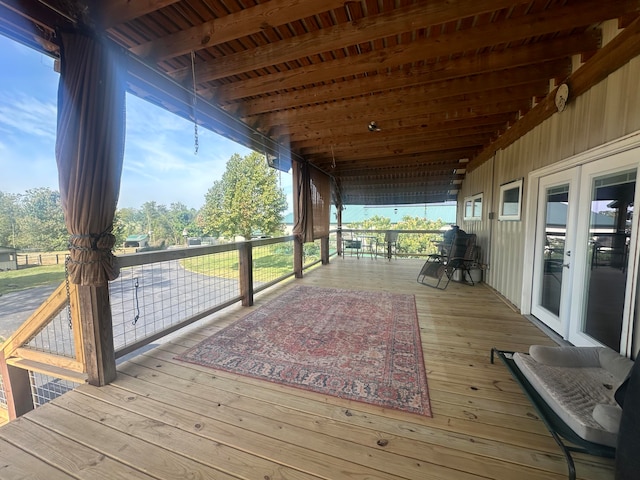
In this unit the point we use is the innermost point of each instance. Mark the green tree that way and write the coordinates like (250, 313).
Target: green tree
(180, 218)
(419, 243)
(9, 213)
(245, 200)
(41, 221)
(128, 221)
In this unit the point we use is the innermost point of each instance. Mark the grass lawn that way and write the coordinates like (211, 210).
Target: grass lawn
(266, 266)
(15, 280)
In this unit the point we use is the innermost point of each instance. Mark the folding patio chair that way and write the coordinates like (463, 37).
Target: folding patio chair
(438, 270)
(389, 246)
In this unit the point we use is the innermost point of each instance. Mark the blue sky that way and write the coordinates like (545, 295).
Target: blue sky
(159, 160)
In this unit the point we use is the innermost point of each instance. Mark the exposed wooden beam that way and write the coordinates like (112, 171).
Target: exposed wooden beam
(459, 67)
(441, 161)
(536, 53)
(615, 54)
(233, 26)
(403, 102)
(392, 149)
(471, 39)
(367, 29)
(305, 140)
(344, 114)
(376, 140)
(372, 182)
(477, 111)
(114, 12)
(364, 192)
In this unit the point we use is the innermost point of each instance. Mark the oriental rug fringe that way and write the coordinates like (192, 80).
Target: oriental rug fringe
(356, 345)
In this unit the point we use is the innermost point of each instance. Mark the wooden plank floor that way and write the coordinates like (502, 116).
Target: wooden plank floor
(165, 419)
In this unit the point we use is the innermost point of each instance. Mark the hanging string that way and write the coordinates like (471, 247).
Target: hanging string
(333, 163)
(195, 118)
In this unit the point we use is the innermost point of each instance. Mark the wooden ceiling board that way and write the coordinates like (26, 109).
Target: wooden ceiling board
(442, 79)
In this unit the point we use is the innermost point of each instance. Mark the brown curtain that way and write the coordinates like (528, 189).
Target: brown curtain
(312, 202)
(302, 213)
(89, 152)
(321, 203)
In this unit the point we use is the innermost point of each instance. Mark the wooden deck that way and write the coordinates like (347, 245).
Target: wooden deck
(165, 419)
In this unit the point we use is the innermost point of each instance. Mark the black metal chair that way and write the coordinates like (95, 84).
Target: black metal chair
(353, 244)
(438, 270)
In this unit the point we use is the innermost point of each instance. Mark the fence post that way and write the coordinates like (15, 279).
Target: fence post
(245, 253)
(17, 388)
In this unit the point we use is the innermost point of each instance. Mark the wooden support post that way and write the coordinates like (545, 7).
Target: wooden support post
(97, 334)
(324, 250)
(298, 248)
(17, 388)
(245, 253)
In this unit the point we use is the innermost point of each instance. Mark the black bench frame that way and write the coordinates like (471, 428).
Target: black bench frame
(559, 430)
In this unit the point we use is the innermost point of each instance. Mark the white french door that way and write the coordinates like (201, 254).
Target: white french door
(604, 293)
(585, 243)
(556, 222)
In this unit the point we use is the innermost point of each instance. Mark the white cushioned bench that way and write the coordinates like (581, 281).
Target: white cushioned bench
(578, 384)
(573, 390)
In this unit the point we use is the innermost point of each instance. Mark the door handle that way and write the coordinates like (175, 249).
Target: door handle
(565, 265)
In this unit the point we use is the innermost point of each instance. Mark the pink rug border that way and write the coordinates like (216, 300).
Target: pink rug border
(421, 365)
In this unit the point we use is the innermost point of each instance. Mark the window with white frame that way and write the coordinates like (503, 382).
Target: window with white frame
(473, 207)
(510, 200)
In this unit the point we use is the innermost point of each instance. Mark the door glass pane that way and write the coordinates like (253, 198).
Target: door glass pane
(609, 233)
(556, 207)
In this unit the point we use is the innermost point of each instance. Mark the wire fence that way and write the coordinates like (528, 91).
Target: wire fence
(45, 388)
(271, 262)
(153, 297)
(56, 337)
(3, 395)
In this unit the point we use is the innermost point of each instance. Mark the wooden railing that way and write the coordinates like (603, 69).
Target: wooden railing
(17, 359)
(94, 312)
(92, 356)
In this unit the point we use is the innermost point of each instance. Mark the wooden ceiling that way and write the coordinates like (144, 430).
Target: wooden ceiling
(442, 80)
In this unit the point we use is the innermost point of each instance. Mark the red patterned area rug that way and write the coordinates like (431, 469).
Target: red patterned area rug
(356, 345)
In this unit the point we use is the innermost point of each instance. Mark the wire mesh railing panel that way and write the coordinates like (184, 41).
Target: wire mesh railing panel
(56, 337)
(407, 243)
(311, 253)
(3, 394)
(271, 262)
(45, 388)
(333, 243)
(150, 298)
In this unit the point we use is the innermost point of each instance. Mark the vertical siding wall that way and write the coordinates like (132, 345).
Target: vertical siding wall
(608, 111)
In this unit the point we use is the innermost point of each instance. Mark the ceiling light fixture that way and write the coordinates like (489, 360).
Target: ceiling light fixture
(373, 127)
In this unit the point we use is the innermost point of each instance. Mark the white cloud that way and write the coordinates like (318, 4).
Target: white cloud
(21, 114)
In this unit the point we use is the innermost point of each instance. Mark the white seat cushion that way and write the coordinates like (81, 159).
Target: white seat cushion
(573, 393)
